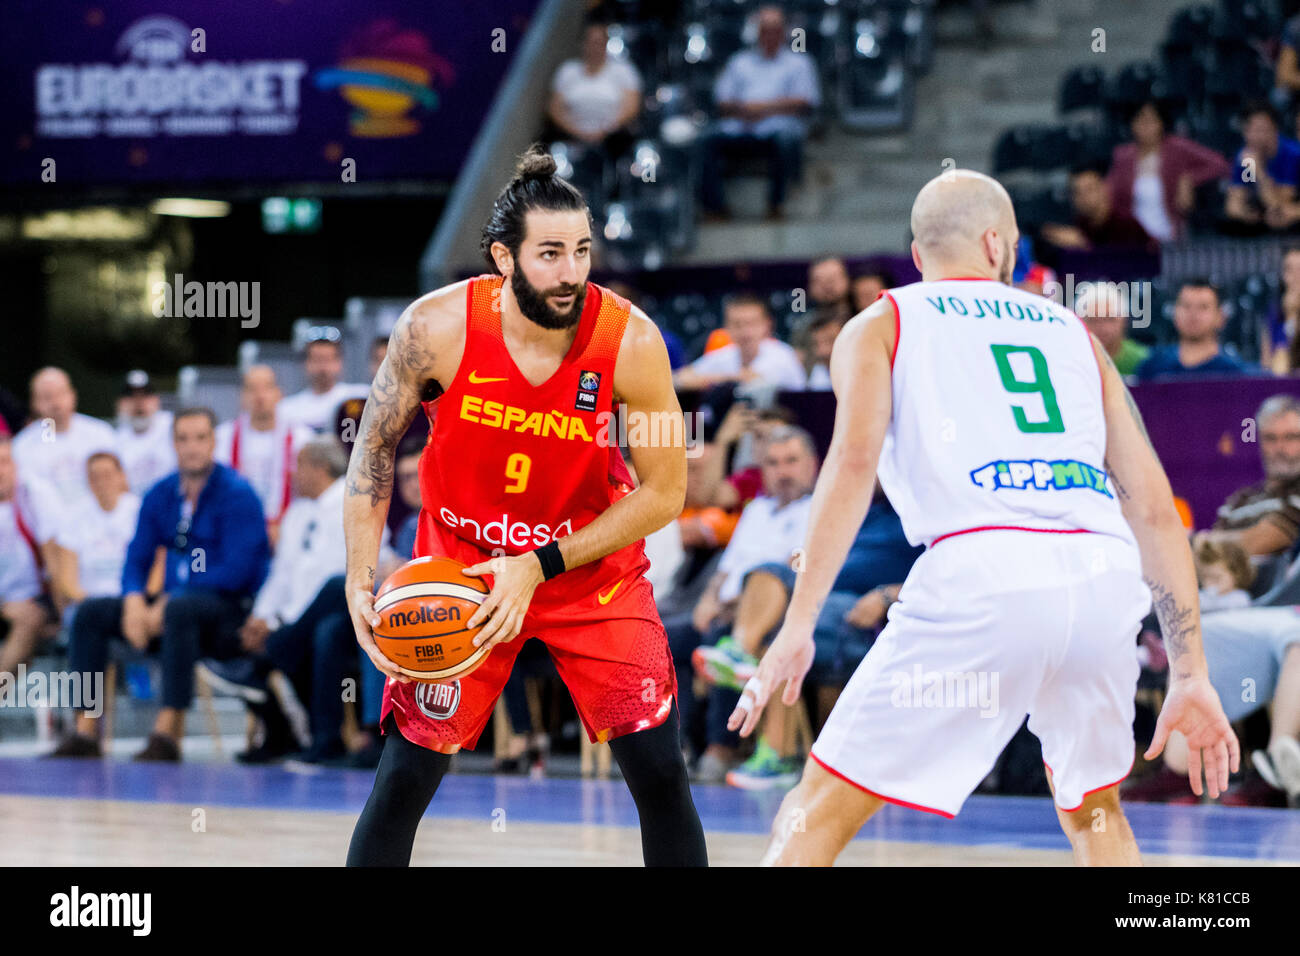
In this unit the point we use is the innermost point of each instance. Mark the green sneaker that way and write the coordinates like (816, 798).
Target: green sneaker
(765, 770)
(724, 664)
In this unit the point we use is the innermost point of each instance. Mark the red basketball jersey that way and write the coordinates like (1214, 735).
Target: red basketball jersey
(510, 466)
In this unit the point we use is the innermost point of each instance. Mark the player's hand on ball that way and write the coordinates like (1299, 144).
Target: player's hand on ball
(513, 582)
(786, 662)
(1192, 708)
(361, 608)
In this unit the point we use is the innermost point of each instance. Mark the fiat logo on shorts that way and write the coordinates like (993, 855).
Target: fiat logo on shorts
(438, 701)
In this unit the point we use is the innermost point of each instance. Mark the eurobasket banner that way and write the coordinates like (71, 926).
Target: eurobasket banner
(247, 91)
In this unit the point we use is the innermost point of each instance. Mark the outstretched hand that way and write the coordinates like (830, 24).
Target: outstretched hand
(1192, 708)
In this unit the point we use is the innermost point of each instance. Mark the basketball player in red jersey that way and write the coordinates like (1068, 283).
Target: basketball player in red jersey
(520, 482)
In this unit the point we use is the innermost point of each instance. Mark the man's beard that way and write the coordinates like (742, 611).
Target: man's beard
(532, 302)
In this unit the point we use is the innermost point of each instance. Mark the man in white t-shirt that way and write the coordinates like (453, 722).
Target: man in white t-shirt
(753, 356)
(144, 433)
(317, 404)
(93, 538)
(28, 514)
(262, 444)
(596, 96)
(55, 446)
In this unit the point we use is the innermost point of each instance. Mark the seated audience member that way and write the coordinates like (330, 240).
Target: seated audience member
(1104, 310)
(209, 521)
(1096, 223)
(94, 537)
(762, 97)
(595, 98)
(1199, 321)
(322, 362)
(1264, 518)
(822, 333)
(1225, 574)
(407, 475)
(770, 530)
(878, 561)
(144, 433)
(1261, 192)
(867, 287)
(828, 283)
(702, 525)
(1257, 649)
(752, 356)
(739, 442)
(298, 639)
(55, 446)
(262, 444)
(1279, 346)
(29, 514)
(1154, 178)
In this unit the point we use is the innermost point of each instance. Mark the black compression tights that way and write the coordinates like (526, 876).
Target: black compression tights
(652, 765)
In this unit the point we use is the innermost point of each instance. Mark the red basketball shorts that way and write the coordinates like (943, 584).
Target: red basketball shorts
(612, 656)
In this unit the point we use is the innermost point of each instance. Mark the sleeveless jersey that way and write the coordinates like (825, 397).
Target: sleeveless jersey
(509, 466)
(997, 415)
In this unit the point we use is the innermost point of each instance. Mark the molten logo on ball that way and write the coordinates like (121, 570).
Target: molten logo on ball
(424, 615)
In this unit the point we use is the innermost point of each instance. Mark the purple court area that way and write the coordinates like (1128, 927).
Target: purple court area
(1023, 822)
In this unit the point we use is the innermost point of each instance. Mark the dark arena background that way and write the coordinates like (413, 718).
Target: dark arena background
(228, 206)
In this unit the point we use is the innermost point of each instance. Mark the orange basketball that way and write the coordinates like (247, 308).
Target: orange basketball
(423, 608)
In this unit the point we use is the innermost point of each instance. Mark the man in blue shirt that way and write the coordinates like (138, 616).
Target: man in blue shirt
(209, 526)
(762, 96)
(1198, 317)
(1262, 188)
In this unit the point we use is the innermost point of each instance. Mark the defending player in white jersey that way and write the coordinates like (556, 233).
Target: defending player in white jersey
(1009, 445)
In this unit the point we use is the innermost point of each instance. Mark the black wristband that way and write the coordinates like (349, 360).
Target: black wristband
(551, 560)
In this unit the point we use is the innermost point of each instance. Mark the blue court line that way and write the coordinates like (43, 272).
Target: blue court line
(1022, 822)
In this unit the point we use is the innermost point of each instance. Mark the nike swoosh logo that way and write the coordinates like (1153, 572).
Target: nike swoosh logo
(605, 598)
(475, 380)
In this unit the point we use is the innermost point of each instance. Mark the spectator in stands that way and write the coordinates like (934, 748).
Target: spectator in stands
(408, 487)
(262, 444)
(1261, 192)
(596, 98)
(1264, 518)
(702, 524)
(59, 440)
(1279, 346)
(1286, 82)
(29, 510)
(1225, 574)
(762, 97)
(316, 405)
(1105, 311)
(94, 537)
(1096, 223)
(1199, 321)
(867, 287)
(739, 442)
(822, 333)
(298, 639)
(378, 352)
(771, 529)
(144, 433)
(828, 283)
(1154, 178)
(209, 522)
(878, 562)
(753, 355)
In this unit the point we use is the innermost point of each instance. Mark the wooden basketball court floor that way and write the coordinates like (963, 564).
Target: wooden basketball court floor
(214, 813)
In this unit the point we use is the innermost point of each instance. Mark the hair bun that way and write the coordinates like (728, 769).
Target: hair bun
(537, 163)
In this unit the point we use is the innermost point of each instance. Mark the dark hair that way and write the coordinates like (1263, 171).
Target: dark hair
(814, 262)
(828, 316)
(108, 455)
(746, 297)
(1160, 106)
(1098, 166)
(1199, 282)
(1260, 106)
(334, 344)
(192, 412)
(378, 341)
(880, 272)
(409, 447)
(534, 186)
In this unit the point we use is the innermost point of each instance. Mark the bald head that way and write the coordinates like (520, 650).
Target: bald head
(259, 396)
(963, 223)
(53, 397)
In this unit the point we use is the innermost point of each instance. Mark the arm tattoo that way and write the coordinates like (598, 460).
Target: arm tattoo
(1178, 622)
(390, 408)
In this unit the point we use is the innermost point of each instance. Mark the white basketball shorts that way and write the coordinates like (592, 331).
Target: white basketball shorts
(991, 626)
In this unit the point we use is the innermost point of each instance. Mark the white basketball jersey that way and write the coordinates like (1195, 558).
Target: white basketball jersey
(997, 419)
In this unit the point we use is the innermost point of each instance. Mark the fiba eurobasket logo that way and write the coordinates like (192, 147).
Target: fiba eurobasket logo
(438, 701)
(167, 86)
(385, 72)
